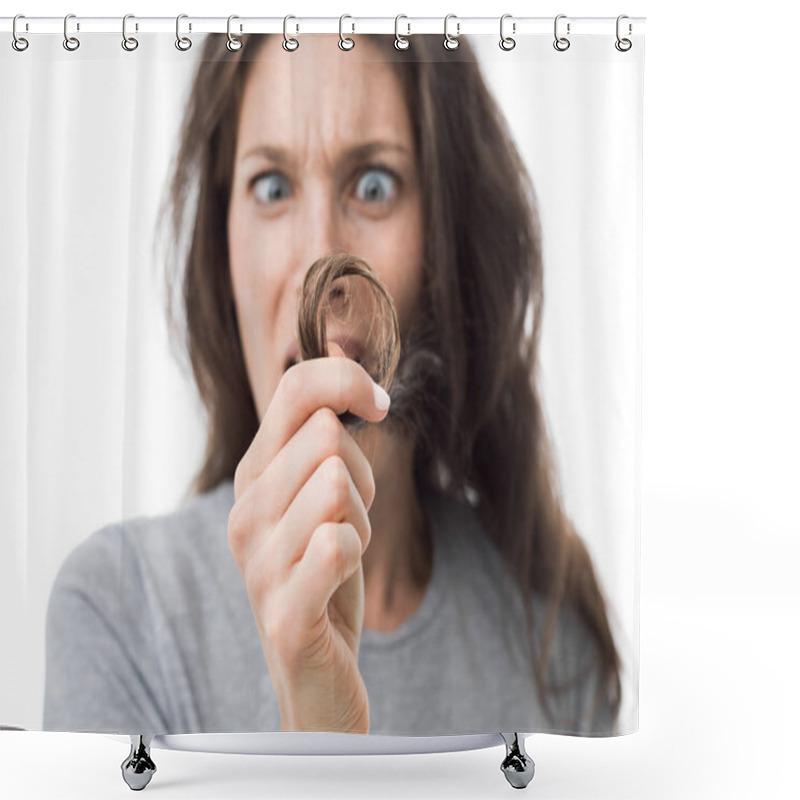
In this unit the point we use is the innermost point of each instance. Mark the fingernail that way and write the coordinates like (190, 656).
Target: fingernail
(381, 398)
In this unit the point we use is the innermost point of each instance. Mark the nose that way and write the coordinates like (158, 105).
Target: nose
(319, 230)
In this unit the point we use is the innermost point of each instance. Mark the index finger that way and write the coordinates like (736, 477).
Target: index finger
(338, 383)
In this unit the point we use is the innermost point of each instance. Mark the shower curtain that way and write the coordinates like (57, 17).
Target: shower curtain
(204, 529)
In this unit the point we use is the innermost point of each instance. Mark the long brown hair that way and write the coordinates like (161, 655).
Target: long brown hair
(482, 433)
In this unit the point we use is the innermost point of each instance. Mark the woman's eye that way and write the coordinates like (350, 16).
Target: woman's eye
(270, 187)
(376, 185)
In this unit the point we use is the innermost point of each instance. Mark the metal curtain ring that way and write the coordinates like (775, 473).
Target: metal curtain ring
(400, 42)
(182, 42)
(451, 42)
(233, 44)
(289, 44)
(506, 42)
(623, 45)
(70, 42)
(561, 43)
(128, 42)
(18, 42)
(345, 42)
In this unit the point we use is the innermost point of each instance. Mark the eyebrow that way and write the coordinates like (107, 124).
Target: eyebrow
(357, 153)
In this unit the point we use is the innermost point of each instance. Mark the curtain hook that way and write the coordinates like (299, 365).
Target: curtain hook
(623, 45)
(71, 43)
(451, 42)
(128, 42)
(289, 44)
(18, 42)
(345, 42)
(400, 42)
(182, 42)
(506, 42)
(561, 43)
(233, 44)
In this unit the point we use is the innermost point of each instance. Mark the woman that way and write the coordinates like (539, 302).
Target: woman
(418, 576)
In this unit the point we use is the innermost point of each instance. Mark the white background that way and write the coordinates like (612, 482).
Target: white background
(721, 393)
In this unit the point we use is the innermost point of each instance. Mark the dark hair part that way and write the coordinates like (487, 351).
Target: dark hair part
(482, 432)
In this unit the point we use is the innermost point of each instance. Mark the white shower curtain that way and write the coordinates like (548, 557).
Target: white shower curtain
(101, 422)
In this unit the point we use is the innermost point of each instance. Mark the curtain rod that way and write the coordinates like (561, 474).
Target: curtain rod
(513, 26)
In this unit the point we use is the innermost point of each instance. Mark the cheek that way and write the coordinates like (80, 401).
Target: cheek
(405, 280)
(254, 297)
(251, 289)
(237, 251)
(408, 294)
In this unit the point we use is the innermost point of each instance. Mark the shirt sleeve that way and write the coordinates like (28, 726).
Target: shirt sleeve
(101, 668)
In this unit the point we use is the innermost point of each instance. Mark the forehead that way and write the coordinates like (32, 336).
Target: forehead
(320, 93)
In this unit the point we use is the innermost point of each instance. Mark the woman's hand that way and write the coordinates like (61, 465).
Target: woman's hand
(298, 529)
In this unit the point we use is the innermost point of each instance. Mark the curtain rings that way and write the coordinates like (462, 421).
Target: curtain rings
(451, 42)
(70, 42)
(182, 42)
(289, 44)
(623, 45)
(19, 43)
(400, 42)
(128, 42)
(561, 43)
(506, 42)
(233, 44)
(345, 42)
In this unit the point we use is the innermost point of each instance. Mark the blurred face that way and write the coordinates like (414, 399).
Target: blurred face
(324, 160)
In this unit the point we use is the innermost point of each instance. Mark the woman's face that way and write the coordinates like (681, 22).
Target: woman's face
(324, 160)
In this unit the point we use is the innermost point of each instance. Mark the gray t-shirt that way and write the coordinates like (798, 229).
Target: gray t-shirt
(149, 630)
